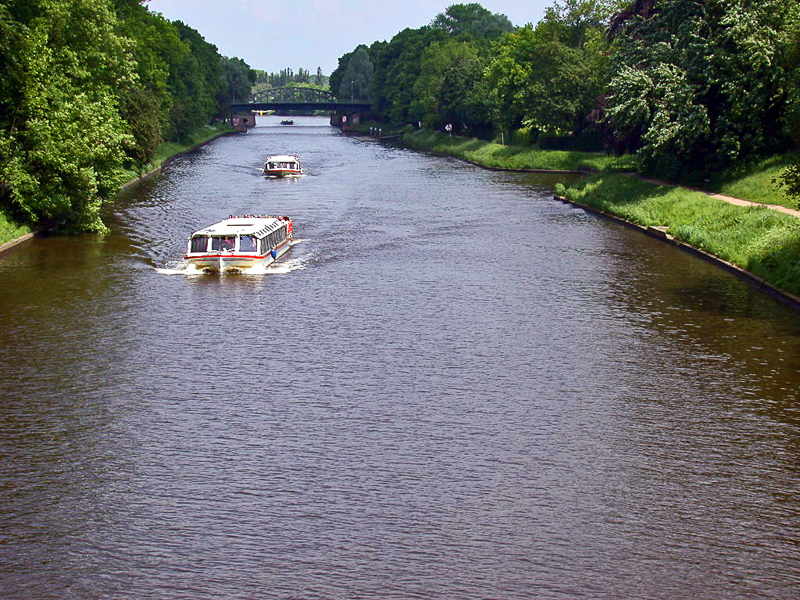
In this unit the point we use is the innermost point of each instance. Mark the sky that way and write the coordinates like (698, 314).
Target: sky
(279, 34)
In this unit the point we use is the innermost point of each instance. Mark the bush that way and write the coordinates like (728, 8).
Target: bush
(586, 142)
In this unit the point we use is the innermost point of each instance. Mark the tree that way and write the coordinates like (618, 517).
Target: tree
(337, 78)
(196, 84)
(472, 20)
(446, 89)
(549, 78)
(356, 80)
(146, 102)
(62, 140)
(238, 79)
(398, 65)
(701, 83)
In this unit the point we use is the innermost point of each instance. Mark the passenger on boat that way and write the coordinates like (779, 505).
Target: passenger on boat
(247, 243)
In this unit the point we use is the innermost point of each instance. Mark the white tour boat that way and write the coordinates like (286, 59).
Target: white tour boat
(239, 243)
(282, 165)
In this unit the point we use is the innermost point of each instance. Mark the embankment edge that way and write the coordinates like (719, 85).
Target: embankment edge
(660, 234)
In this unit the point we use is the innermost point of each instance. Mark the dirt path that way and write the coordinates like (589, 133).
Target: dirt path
(729, 199)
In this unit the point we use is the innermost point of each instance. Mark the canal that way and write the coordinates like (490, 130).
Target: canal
(451, 387)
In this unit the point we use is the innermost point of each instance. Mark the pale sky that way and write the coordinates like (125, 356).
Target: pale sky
(274, 35)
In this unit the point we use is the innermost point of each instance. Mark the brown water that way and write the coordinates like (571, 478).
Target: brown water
(452, 387)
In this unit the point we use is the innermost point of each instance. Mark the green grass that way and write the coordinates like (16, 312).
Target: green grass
(758, 239)
(10, 229)
(756, 181)
(494, 155)
(366, 126)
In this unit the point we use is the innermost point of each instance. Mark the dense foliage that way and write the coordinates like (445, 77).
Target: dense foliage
(90, 87)
(702, 82)
(691, 86)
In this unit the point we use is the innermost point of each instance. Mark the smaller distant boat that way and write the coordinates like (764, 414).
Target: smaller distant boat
(239, 243)
(287, 122)
(282, 165)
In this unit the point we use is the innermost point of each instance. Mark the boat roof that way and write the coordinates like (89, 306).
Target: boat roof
(248, 225)
(283, 157)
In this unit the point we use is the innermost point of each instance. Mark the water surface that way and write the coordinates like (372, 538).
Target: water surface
(452, 387)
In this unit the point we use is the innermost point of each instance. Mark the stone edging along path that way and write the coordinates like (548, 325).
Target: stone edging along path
(16, 241)
(661, 233)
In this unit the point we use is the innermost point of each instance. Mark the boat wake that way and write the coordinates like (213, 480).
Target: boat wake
(278, 268)
(179, 267)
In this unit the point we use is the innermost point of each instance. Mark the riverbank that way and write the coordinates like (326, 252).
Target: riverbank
(515, 158)
(169, 151)
(13, 232)
(757, 239)
(759, 242)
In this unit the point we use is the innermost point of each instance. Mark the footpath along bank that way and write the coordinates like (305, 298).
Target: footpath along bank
(758, 242)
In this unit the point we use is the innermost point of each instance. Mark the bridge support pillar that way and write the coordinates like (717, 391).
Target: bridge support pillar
(243, 121)
(345, 122)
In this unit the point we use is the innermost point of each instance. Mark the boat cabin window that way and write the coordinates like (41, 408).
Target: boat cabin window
(222, 243)
(247, 243)
(199, 243)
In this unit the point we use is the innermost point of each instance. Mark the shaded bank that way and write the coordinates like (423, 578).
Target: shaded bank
(169, 151)
(518, 158)
(13, 232)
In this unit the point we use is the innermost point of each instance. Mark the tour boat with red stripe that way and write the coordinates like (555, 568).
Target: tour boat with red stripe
(282, 165)
(240, 243)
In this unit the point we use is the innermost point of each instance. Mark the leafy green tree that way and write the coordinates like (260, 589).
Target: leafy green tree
(146, 102)
(337, 78)
(549, 78)
(700, 83)
(239, 79)
(196, 83)
(356, 80)
(62, 140)
(141, 110)
(398, 65)
(790, 178)
(472, 20)
(447, 89)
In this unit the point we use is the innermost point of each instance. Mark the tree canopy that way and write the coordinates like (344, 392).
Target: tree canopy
(691, 86)
(90, 87)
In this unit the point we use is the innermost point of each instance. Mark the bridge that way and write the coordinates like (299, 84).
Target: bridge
(298, 99)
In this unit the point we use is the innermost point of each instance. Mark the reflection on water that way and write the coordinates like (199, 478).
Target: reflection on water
(455, 387)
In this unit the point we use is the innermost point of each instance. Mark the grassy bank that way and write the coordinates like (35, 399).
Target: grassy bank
(498, 156)
(169, 149)
(755, 181)
(11, 229)
(758, 239)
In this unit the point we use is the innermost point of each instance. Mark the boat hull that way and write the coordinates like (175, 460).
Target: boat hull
(282, 173)
(234, 263)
